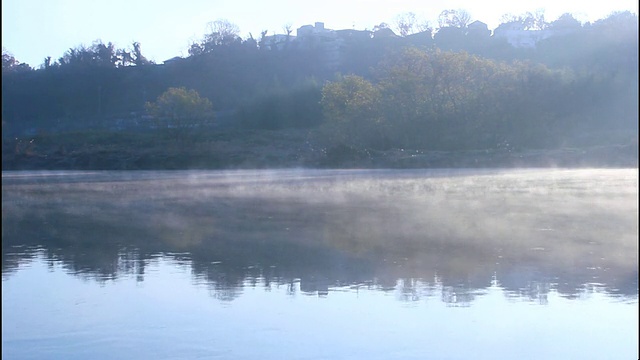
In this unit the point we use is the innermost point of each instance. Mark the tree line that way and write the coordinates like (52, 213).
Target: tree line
(443, 100)
(453, 89)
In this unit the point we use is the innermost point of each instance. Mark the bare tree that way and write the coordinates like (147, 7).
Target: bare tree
(454, 18)
(528, 20)
(424, 25)
(406, 23)
(263, 38)
(137, 56)
(220, 32)
(538, 20)
(381, 26)
(288, 29)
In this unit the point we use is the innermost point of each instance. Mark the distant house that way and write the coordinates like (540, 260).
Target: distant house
(354, 35)
(518, 37)
(449, 37)
(173, 60)
(316, 31)
(318, 37)
(424, 38)
(384, 33)
(478, 29)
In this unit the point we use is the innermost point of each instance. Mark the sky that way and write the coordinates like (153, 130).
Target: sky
(35, 29)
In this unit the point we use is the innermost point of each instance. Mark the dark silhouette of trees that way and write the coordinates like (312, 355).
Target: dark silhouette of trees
(460, 88)
(96, 55)
(136, 55)
(220, 32)
(10, 64)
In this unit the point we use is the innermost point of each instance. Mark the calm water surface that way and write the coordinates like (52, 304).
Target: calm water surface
(323, 264)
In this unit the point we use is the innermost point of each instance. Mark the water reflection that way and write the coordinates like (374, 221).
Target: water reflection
(451, 235)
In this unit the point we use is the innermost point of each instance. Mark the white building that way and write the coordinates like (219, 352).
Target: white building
(316, 31)
(518, 37)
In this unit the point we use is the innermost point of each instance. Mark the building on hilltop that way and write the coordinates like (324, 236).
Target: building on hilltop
(318, 37)
(354, 35)
(516, 34)
(423, 38)
(385, 33)
(316, 31)
(173, 60)
(478, 29)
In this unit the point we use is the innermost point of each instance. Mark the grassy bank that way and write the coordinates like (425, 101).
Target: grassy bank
(229, 149)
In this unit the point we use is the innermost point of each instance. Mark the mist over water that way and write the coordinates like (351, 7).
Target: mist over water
(483, 240)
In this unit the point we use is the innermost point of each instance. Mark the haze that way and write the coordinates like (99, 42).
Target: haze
(35, 29)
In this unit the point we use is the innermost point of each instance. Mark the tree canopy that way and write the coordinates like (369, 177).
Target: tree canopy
(461, 88)
(179, 107)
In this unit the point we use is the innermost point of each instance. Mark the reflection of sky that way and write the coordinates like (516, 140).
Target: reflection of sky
(48, 313)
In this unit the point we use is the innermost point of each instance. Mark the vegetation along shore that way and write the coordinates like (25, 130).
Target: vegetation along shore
(528, 93)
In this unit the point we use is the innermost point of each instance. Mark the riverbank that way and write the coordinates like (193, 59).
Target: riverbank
(272, 149)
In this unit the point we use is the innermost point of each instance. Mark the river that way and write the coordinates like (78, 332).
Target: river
(320, 264)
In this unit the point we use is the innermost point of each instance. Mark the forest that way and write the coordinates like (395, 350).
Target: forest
(454, 88)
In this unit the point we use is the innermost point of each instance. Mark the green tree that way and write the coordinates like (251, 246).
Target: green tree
(351, 107)
(180, 108)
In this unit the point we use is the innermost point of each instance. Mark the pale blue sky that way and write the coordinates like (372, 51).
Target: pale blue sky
(34, 29)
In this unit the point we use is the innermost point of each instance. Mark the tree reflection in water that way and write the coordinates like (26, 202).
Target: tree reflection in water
(418, 232)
